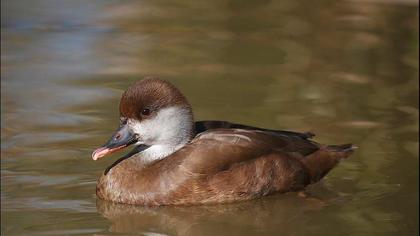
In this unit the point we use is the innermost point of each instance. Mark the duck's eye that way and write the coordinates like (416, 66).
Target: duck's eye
(145, 112)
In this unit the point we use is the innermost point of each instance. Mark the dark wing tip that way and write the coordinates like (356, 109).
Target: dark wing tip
(348, 147)
(308, 134)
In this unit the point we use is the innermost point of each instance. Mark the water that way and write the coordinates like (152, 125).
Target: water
(346, 70)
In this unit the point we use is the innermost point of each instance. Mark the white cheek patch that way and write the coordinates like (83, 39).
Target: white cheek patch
(170, 127)
(145, 130)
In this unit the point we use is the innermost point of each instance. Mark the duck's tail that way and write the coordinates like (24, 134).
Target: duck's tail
(343, 149)
(319, 163)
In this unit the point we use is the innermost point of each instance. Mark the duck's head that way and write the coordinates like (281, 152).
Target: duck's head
(153, 114)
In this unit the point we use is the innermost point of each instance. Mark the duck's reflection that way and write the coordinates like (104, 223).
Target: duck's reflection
(267, 214)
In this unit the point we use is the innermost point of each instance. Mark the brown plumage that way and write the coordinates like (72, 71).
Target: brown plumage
(223, 162)
(148, 93)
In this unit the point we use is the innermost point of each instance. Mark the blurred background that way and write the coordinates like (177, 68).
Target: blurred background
(344, 69)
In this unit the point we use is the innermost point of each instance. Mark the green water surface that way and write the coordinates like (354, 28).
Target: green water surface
(346, 70)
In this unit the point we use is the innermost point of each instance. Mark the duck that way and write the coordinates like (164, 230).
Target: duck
(177, 161)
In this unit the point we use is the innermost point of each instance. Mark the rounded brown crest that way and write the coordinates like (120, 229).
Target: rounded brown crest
(152, 94)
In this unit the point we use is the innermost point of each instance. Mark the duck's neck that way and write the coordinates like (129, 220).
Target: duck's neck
(170, 130)
(158, 152)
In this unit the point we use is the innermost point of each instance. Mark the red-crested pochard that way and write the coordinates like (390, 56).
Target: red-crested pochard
(178, 162)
